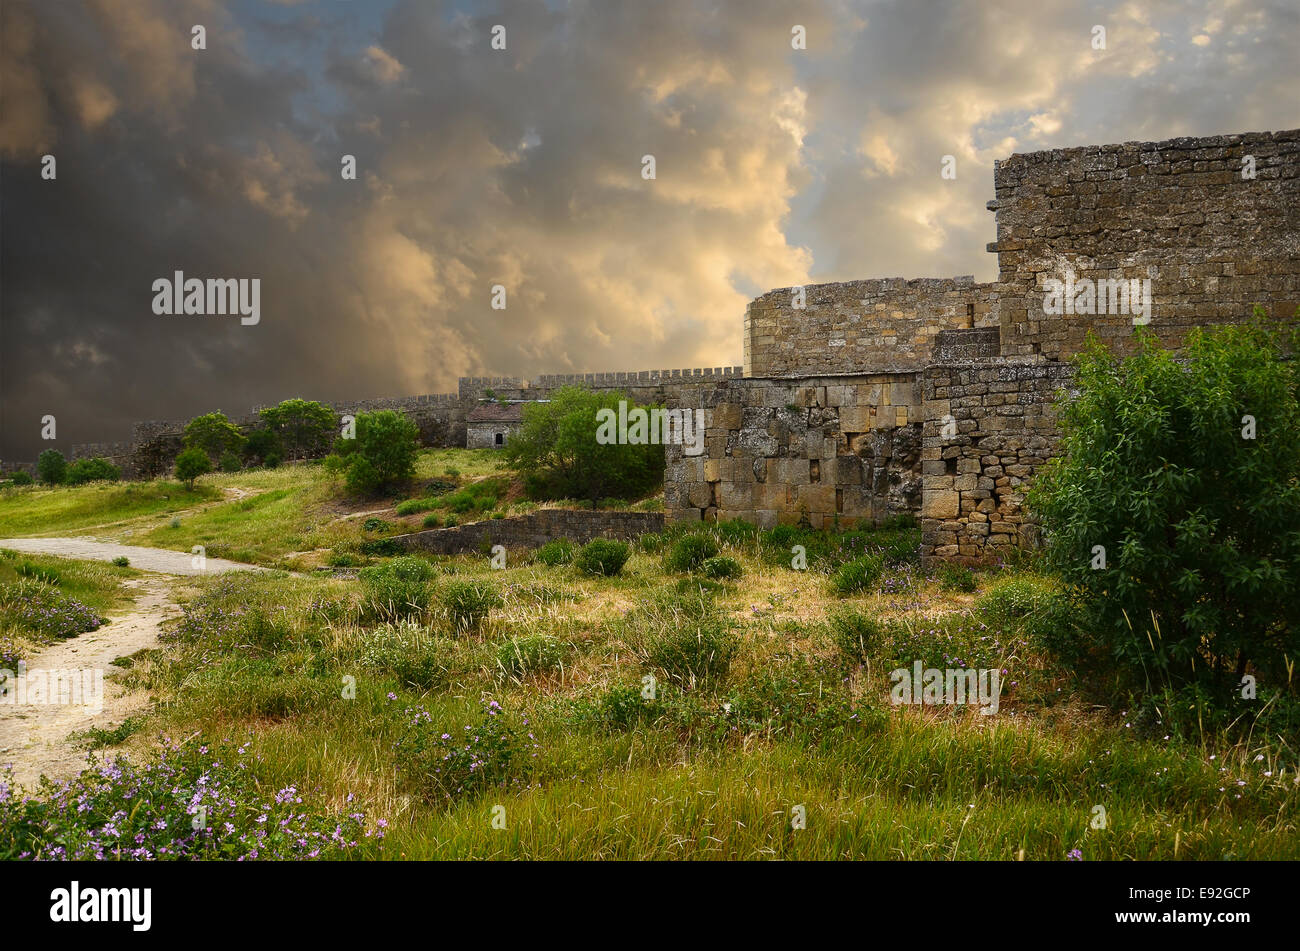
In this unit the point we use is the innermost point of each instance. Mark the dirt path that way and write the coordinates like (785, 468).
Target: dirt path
(149, 559)
(34, 737)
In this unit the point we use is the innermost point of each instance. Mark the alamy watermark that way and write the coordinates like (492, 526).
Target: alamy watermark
(83, 687)
(1076, 295)
(211, 298)
(936, 687)
(641, 427)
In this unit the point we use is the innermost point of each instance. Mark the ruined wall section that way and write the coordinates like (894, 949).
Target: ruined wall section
(884, 325)
(828, 449)
(989, 425)
(1178, 212)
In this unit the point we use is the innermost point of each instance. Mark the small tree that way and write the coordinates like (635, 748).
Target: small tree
(304, 427)
(557, 452)
(382, 456)
(191, 464)
(214, 434)
(51, 467)
(1173, 514)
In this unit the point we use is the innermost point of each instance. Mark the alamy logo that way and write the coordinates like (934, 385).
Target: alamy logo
(952, 686)
(640, 427)
(1106, 296)
(215, 297)
(79, 688)
(103, 904)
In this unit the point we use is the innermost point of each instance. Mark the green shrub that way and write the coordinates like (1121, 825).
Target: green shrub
(858, 636)
(375, 524)
(407, 651)
(396, 590)
(1009, 603)
(621, 707)
(469, 603)
(603, 556)
(689, 552)
(51, 467)
(92, 470)
(380, 547)
(721, 567)
(303, 428)
(431, 521)
(20, 478)
(857, 575)
(533, 654)
(230, 462)
(121, 561)
(557, 552)
(1174, 520)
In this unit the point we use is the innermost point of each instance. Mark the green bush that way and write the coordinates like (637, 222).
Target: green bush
(557, 552)
(451, 762)
(431, 521)
(857, 575)
(689, 552)
(121, 561)
(191, 464)
(262, 447)
(396, 590)
(1009, 603)
(20, 477)
(533, 654)
(213, 435)
(469, 603)
(380, 547)
(603, 556)
(695, 655)
(621, 707)
(230, 462)
(1183, 471)
(51, 467)
(858, 636)
(92, 470)
(722, 567)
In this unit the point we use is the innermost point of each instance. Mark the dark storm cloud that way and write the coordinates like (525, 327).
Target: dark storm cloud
(522, 168)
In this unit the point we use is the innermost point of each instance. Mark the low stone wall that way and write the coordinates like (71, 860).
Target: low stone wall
(829, 449)
(534, 530)
(988, 427)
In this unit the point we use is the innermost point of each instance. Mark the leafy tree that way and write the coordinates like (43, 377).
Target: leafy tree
(92, 470)
(51, 467)
(191, 464)
(557, 452)
(382, 456)
(1173, 514)
(214, 434)
(304, 427)
(263, 448)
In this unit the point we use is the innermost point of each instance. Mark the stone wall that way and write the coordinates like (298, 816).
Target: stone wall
(830, 449)
(988, 426)
(876, 325)
(1177, 212)
(534, 530)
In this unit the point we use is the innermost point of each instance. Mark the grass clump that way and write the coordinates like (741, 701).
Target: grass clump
(690, 552)
(557, 552)
(857, 575)
(469, 603)
(397, 590)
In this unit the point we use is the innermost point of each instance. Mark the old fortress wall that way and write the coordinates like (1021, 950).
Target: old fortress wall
(866, 399)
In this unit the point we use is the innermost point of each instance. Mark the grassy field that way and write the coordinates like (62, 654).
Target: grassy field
(440, 708)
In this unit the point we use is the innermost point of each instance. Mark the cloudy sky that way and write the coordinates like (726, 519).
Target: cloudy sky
(523, 167)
